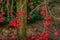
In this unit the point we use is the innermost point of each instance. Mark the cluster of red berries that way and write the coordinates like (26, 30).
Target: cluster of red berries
(30, 16)
(21, 13)
(39, 36)
(47, 22)
(14, 22)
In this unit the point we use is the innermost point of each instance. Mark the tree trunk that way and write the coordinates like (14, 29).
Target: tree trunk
(21, 31)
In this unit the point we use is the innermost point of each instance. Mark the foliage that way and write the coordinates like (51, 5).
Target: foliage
(7, 12)
(33, 13)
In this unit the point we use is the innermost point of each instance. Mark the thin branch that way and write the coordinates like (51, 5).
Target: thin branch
(37, 7)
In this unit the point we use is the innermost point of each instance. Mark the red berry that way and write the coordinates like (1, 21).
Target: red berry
(47, 31)
(18, 25)
(18, 13)
(18, 20)
(3, 13)
(12, 2)
(7, 5)
(47, 24)
(49, 18)
(56, 33)
(45, 36)
(1, 19)
(11, 10)
(31, 7)
(12, 24)
(14, 19)
(23, 12)
(43, 13)
(29, 17)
